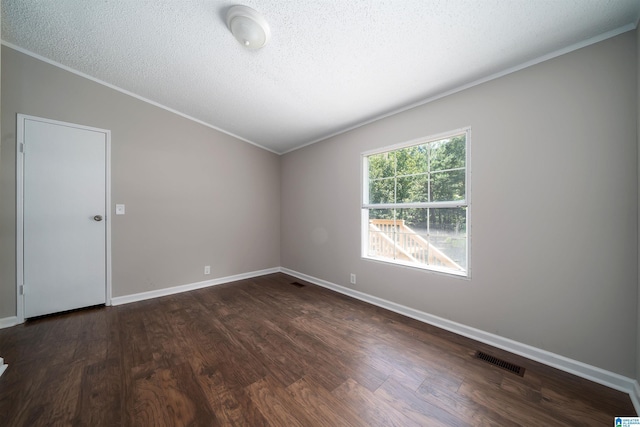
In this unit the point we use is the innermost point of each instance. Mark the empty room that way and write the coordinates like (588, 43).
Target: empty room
(329, 213)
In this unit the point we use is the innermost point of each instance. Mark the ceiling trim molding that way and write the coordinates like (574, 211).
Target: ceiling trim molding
(126, 92)
(543, 58)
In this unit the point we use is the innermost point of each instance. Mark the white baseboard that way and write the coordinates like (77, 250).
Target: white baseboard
(190, 287)
(580, 369)
(7, 322)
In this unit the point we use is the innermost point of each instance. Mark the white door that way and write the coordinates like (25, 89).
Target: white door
(64, 215)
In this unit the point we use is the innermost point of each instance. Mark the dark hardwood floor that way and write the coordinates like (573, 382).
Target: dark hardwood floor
(266, 352)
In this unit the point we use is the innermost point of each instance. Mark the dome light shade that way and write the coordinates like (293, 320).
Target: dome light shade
(248, 27)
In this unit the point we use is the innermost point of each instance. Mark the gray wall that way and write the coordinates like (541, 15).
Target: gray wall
(554, 248)
(194, 196)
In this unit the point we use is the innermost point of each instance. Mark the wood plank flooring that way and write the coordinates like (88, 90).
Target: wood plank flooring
(263, 352)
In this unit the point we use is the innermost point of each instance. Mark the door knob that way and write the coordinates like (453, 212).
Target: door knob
(97, 218)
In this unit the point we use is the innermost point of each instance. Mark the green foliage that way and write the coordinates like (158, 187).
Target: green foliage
(432, 172)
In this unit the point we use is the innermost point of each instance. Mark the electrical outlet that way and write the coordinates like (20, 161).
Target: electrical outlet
(353, 279)
(207, 269)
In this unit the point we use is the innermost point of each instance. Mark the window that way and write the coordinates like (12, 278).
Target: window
(415, 208)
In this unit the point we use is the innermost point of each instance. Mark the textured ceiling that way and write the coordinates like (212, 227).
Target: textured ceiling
(330, 65)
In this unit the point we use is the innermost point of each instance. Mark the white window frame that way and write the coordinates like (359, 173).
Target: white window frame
(366, 206)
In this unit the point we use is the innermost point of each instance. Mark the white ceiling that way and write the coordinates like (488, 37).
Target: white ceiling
(330, 65)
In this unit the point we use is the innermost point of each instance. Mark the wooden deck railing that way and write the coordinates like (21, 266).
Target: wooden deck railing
(390, 238)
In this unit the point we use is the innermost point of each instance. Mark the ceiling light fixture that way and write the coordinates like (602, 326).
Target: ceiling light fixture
(248, 27)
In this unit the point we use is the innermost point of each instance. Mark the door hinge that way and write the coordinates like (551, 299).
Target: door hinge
(22, 147)
(21, 289)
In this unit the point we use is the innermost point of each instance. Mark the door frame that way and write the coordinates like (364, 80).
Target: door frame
(21, 118)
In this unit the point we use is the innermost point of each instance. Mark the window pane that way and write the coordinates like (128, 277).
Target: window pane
(382, 190)
(382, 233)
(412, 237)
(382, 165)
(447, 154)
(411, 160)
(412, 189)
(416, 219)
(387, 214)
(448, 235)
(447, 186)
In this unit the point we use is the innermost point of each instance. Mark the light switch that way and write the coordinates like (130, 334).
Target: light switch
(119, 209)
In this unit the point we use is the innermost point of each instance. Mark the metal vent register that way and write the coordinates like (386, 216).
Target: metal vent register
(502, 364)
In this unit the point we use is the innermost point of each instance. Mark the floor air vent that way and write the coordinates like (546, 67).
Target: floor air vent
(503, 364)
(297, 284)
